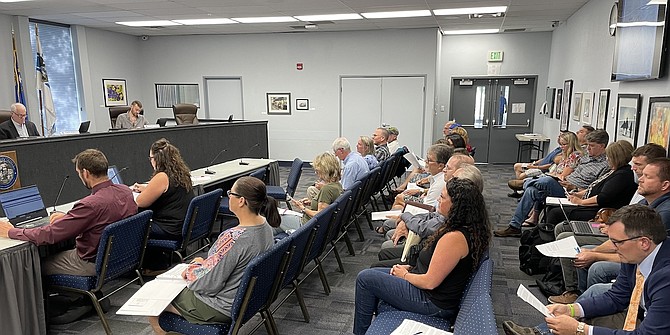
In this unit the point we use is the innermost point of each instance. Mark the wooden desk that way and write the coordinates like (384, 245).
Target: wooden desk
(531, 142)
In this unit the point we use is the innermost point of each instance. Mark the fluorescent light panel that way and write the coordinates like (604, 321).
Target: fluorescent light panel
(194, 22)
(329, 17)
(471, 10)
(470, 31)
(387, 15)
(14, 0)
(268, 19)
(157, 23)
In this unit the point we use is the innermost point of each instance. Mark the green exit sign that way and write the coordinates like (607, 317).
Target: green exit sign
(495, 56)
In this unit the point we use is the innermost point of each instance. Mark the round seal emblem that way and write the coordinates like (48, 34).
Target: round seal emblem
(8, 172)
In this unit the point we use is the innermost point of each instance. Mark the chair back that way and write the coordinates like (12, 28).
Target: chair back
(479, 284)
(259, 282)
(260, 174)
(185, 113)
(5, 115)
(114, 113)
(301, 239)
(294, 176)
(122, 247)
(200, 216)
(339, 217)
(323, 219)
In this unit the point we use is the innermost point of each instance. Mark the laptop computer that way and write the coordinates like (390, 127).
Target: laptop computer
(582, 228)
(83, 127)
(114, 175)
(24, 207)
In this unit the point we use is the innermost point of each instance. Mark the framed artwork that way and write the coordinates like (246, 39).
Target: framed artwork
(603, 106)
(587, 107)
(566, 104)
(302, 104)
(628, 117)
(658, 121)
(115, 92)
(557, 104)
(576, 113)
(279, 103)
(550, 96)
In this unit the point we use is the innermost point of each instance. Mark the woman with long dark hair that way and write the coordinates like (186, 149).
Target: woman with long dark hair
(435, 285)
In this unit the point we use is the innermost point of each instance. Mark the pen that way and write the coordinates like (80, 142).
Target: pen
(417, 333)
(578, 250)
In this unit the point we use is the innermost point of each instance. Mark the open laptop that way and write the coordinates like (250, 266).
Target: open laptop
(582, 228)
(83, 127)
(24, 207)
(114, 175)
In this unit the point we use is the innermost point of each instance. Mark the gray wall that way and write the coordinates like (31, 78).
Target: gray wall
(6, 65)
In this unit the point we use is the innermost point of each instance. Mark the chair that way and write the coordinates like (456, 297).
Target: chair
(121, 250)
(224, 208)
(323, 221)
(185, 113)
(279, 192)
(200, 216)
(114, 113)
(5, 115)
(257, 288)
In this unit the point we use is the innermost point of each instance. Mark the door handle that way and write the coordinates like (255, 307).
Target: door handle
(514, 125)
(472, 125)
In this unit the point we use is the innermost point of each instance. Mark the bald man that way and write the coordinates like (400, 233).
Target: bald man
(17, 126)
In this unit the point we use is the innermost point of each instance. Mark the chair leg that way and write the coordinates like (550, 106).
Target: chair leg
(267, 321)
(101, 314)
(368, 217)
(322, 275)
(361, 238)
(301, 301)
(337, 257)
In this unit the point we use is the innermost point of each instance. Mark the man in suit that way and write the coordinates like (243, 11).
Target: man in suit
(17, 126)
(640, 239)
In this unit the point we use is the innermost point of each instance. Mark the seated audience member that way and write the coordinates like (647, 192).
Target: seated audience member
(419, 176)
(436, 159)
(85, 222)
(168, 193)
(354, 165)
(380, 139)
(393, 143)
(366, 148)
(464, 134)
(443, 267)
(212, 283)
(448, 127)
(590, 167)
(637, 301)
(17, 126)
(327, 168)
(132, 119)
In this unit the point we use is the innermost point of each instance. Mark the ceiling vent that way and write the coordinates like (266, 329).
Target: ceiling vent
(514, 30)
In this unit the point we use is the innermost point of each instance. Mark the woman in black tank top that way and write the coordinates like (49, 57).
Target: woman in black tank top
(435, 285)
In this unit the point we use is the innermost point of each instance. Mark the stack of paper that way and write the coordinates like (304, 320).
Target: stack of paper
(413, 327)
(152, 298)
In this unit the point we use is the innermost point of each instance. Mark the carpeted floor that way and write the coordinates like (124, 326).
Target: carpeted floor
(333, 314)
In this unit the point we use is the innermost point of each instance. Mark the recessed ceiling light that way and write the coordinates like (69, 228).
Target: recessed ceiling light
(157, 23)
(193, 22)
(268, 19)
(470, 31)
(386, 15)
(471, 10)
(329, 17)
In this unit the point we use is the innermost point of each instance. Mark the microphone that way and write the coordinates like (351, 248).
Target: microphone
(230, 118)
(207, 170)
(117, 173)
(59, 192)
(248, 151)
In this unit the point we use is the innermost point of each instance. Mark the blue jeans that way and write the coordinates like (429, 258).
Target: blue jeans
(373, 285)
(598, 272)
(536, 191)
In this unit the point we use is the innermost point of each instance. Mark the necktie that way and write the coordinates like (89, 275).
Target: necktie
(631, 316)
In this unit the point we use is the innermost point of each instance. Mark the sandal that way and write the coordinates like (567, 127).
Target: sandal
(380, 230)
(528, 223)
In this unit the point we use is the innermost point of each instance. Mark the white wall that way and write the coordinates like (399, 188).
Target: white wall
(6, 63)
(465, 55)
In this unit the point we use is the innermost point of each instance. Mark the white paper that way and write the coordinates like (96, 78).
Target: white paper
(416, 162)
(558, 201)
(519, 108)
(413, 327)
(6, 243)
(413, 186)
(286, 211)
(566, 247)
(525, 295)
(200, 179)
(174, 273)
(377, 216)
(414, 210)
(154, 296)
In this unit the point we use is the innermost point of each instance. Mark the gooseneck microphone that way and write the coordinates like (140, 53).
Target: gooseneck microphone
(248, 151)
(59, 192)
(119, 172)
(207, 170)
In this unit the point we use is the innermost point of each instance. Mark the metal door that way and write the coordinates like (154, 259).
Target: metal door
(493, 110)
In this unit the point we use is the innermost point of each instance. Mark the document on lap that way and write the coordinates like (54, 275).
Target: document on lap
(566, 247)
(525, 295)
(413, 327)
(152, 298)
(378, 216)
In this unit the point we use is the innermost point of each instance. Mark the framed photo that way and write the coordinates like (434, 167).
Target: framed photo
(279, 103)
(549, 97)
(587, 107)
(628, 117)
(658, 121)
(603, 107)
(576, 113)
(557, 104)
(566, 104)
(302, 104)
(115, 92)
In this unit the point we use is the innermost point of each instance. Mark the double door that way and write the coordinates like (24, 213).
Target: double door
(493, 110)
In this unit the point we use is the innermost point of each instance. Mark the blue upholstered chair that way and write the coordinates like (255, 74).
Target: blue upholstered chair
(279, 192)
(257, 288)
(323, 221)
(120, 251)
(224, 208)
(200, 216)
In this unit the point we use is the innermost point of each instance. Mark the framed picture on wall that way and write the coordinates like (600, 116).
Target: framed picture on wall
(302, 104)
(628, 117)
(576, 113)
(603, 106)
(566, 104)
(279, 103)
(557, 104)
(587, 107)
(658, 121)
(115, 92)
(550, 96)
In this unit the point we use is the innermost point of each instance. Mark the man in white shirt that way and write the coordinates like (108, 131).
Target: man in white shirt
(17, 126)
(393, 143)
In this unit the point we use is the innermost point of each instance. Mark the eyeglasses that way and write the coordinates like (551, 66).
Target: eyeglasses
(151, 157)
(619, 242)
(229, 193)
(20, 115)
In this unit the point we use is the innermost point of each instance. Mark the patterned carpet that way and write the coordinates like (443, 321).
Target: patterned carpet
(333, 314)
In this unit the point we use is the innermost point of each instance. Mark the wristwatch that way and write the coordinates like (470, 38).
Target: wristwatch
(580, 328)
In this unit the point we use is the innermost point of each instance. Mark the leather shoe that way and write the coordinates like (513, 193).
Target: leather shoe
(567, 297)
(512, 328)
(515, 184)
(508, 232)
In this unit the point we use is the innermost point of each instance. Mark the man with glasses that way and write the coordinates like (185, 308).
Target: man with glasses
(17, 126)
(354, 165)
(639, 298)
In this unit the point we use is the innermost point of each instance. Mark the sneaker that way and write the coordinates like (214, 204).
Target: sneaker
(512, 328)
(508, 232)
(568, 297)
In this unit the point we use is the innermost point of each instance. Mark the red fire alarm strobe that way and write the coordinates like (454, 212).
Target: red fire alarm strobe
(298, 66)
